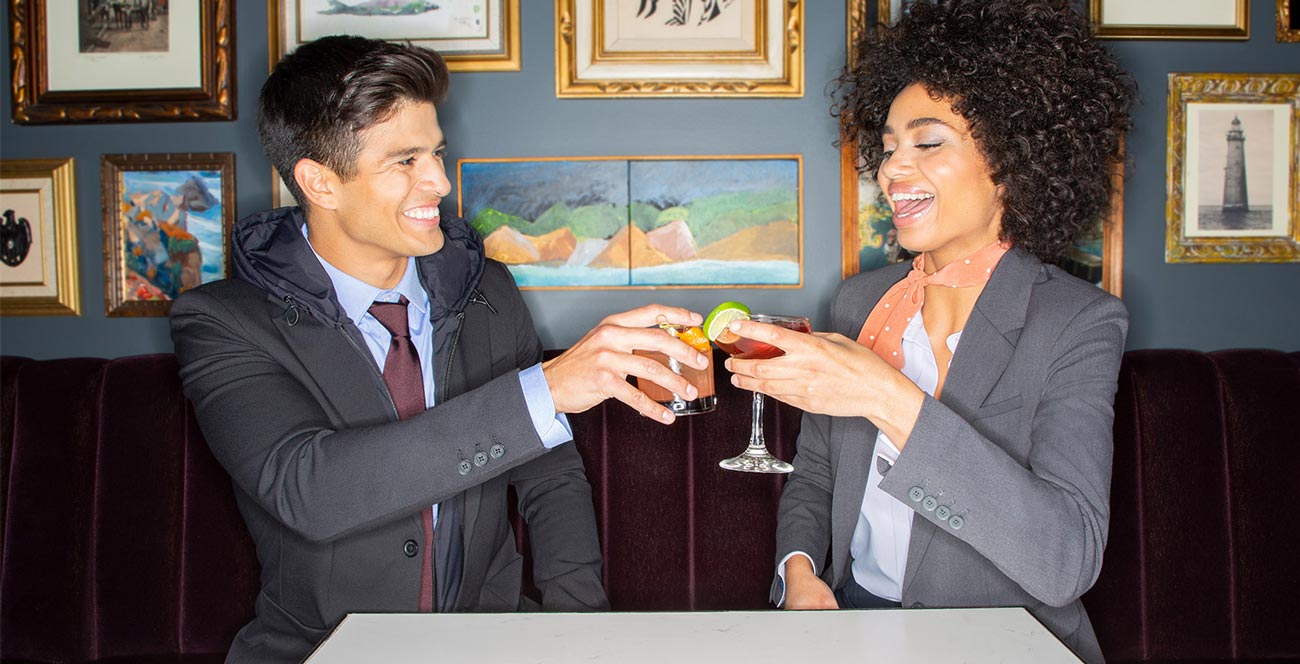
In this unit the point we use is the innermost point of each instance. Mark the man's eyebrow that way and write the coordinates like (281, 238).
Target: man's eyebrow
(917, 122)
(412, 151)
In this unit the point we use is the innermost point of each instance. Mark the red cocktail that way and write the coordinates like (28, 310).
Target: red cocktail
(756, 458)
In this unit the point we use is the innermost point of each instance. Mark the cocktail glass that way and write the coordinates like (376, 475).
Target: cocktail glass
(704, 402)
(756, 458)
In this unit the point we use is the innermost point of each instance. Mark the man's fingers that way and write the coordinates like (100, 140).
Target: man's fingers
(641, 403)
(653, 314)
(653, 339)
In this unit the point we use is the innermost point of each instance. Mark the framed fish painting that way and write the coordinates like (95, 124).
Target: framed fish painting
(472, 35)
(167, 221)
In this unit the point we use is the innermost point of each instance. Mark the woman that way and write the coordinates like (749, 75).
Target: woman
(957, 445)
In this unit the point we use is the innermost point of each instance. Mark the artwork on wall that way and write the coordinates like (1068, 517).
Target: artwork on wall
(628, 222)
(868, 239)
(167, 220)
(101, 61)
(38, 238)
(472, 35)
(1288, 20)
(1234, 168)
(677, 48)
(1170, 19)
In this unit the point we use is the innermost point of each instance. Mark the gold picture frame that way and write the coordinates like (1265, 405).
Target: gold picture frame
(38, 273)
(603, 50)
(1215, 215)
(167, 222)
(66, 68)
(1288, 20)
(865, 218)
(1193, 19)
(486, 43)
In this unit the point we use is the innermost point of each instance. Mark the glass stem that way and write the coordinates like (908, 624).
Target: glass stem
(757, 447)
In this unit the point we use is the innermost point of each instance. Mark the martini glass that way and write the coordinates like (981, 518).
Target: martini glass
(756, 458)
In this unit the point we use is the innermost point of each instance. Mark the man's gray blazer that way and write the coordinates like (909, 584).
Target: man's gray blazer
(1008, 472)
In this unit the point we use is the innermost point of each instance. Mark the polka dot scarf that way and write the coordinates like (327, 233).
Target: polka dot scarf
(883, 331)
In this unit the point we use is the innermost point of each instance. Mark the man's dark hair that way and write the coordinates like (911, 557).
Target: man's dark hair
(321, 97)
(1047, 105)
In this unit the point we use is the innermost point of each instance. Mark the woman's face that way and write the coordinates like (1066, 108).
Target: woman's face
(936, 180)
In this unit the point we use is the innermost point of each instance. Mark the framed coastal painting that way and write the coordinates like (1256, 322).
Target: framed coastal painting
(1288, 20)
(1170, 19)
(38, 238)
(167, 220)
(868, 237)
(639, 222)
(472, 35)
(118, 61)
(1233, 168)
(679, 48)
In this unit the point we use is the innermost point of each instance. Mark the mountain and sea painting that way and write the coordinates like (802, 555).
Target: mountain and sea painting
(609, 222)
(172, 228)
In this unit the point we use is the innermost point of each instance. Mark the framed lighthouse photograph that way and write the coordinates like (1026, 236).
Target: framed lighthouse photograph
(1234, 168)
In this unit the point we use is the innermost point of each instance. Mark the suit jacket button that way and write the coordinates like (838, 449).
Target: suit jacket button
(943, 512)
(480, 459)
(917, 605)
(497, 451)
(956, 522)
(930, 503)
(410, 548)
(464, 466)
(916, 493)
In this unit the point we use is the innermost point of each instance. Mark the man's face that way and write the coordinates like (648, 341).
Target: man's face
(388, 210)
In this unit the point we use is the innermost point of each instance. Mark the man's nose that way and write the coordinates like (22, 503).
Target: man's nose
(435, 177)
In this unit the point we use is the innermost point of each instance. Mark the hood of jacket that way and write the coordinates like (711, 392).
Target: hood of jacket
(268, 250)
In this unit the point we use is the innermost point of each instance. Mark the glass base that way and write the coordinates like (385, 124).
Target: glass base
(752, 463)
(683, 407)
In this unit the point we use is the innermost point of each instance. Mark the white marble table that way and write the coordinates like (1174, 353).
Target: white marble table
(780, 637)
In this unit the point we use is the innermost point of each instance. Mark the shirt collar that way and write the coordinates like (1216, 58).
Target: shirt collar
(356, 296)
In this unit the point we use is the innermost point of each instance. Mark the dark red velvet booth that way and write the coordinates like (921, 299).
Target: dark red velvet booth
(121, 541)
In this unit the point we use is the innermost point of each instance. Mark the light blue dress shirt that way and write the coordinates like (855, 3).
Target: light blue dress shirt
(356, 296)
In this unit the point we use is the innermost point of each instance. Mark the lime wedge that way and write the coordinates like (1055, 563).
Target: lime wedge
(721, 316)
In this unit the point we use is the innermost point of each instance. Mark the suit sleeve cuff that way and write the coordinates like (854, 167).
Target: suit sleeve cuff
(780, 572)
(552, 427)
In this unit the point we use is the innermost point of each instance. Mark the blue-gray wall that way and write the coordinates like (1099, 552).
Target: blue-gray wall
(517, 115)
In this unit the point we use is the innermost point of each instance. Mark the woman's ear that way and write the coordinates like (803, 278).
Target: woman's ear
(319, 184)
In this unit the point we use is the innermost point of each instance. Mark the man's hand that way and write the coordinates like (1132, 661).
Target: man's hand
(804, 589)
(596, 368)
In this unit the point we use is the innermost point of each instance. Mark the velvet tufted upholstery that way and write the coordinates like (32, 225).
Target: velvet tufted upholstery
(121, 541)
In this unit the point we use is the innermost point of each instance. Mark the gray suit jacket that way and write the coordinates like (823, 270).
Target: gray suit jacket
(1016, 454)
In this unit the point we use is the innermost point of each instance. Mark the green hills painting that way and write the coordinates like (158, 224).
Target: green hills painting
(580, 223)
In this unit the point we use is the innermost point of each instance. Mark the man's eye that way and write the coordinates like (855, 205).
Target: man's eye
(407, 162)
(440, 153)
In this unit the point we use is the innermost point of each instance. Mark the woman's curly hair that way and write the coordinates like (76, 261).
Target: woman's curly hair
(1046, 104)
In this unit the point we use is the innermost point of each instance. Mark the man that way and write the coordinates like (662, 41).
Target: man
(372, 383)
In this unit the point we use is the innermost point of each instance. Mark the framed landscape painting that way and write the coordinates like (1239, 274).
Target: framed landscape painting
(102, 61)
(167, 220)
(639, 222)
(1234, 168)
(472, 35)
(679, 48)
(38, 238)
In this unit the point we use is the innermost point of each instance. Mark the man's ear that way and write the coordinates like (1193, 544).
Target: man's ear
(319, 184)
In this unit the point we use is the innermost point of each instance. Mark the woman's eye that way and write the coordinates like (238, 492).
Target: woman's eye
(886, 154)
(928, 146)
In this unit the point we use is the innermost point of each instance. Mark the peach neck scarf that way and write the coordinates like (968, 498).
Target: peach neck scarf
(883, 331)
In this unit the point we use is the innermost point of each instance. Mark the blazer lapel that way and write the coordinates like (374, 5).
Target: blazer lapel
(856, 439)
(987, 343)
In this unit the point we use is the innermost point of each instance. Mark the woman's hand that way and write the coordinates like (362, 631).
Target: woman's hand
(830, 374)
(804, 589)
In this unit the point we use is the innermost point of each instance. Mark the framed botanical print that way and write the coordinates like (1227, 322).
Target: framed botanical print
(471, 35)
(678, 48)
(167, 221)
(1234, 168)
(38, 238)
(122, 61)
(1170, 19)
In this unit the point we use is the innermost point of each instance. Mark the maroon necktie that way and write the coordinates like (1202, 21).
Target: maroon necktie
(406, 385)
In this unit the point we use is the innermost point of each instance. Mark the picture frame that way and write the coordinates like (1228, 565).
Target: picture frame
(472, 35)
(866, 241)
(74, 64)
(1233, 168)
(1170, 19)
(1288, 20)
(167, 221)
(38, 238)
(745, 49)
(639, 222)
